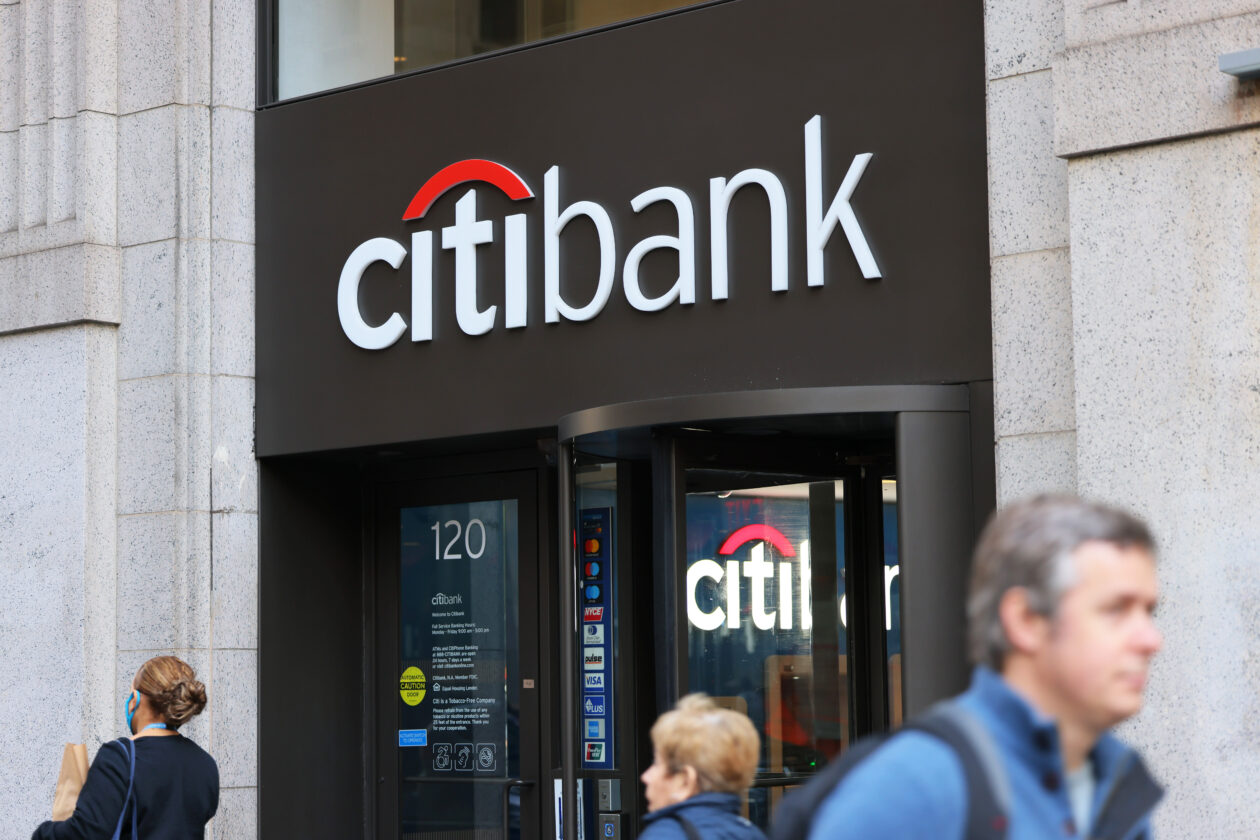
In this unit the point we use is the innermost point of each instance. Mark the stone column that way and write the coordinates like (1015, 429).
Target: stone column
(1126, 299)
(1033, 378)
(126, 361)
(1164, 175)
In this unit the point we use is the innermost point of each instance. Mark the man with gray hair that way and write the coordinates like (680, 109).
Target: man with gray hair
(1060, 626)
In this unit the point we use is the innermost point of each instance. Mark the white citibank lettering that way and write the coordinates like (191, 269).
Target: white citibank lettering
(757, 570)
(468, 232)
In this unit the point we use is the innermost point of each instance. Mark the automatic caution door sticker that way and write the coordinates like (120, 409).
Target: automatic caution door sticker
(411, 686)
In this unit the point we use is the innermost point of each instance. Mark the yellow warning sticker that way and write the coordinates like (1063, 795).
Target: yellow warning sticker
(411, 686)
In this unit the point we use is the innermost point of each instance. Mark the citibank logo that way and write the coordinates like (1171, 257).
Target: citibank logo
(469, 232)
(794, 589)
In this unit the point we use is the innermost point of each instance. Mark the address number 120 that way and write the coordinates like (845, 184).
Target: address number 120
(456, 529)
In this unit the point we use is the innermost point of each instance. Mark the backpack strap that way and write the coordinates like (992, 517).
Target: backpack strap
(988, 788)
(1133, 796)
(129, 748)
(795, 814)
(690, 830)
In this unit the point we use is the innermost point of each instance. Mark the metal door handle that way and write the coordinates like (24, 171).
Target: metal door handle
(508, 784)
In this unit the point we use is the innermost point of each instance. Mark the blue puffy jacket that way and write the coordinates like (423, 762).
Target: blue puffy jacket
(715, 816)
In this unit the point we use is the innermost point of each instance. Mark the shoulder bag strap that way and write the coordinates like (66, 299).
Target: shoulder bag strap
(128, 747)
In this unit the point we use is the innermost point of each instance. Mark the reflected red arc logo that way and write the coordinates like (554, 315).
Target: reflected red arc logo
(449, 177)
(749, 533)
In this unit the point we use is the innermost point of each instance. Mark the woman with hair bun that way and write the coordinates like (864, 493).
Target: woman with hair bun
(157, 784)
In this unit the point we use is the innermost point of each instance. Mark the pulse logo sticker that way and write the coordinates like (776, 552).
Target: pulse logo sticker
(593, 659)
(469, 232)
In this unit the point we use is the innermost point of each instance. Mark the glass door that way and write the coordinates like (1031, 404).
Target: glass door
(759, 565)
(457, 731)
(788, 578)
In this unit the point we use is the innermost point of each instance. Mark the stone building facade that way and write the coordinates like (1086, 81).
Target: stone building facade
(126, 343)
(1124, 193)
(1124, 208)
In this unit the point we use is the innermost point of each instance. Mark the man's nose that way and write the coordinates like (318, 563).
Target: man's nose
(1149, 638)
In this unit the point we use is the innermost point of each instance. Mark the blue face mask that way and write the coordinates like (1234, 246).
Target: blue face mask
(129, 708)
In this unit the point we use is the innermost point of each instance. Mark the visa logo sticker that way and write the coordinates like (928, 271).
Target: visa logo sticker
(593, 658)
(594, 728)
(593, 614)
(413, 737)
(593, 634)
(593, 681)
(593, 704)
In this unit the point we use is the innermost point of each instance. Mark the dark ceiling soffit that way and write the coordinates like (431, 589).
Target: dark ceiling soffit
(771, 403)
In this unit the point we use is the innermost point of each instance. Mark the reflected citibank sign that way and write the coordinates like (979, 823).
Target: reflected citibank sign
(729, 575)
(469, 232)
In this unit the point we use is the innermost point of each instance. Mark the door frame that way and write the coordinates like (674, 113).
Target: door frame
(858, 468)
(381, 633)
(946, 487)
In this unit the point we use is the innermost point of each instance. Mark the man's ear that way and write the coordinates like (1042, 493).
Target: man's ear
(1025, 629)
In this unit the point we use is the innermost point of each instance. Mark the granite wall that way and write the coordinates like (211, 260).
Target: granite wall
(128, 509)
(1125, 236)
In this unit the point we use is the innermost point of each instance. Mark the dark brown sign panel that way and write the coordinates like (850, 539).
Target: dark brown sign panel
(747, 195)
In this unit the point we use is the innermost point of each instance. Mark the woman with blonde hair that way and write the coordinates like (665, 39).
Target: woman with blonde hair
(157, 784)
(705, 759)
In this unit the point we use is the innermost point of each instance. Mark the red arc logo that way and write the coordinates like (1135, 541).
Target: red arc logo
(495, 174)
(749, 533)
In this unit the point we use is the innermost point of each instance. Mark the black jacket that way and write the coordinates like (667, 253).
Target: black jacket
(176, 793)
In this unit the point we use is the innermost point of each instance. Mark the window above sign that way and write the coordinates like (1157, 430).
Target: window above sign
(325, 44)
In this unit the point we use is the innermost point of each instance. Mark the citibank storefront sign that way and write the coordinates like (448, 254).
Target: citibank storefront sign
(494, 246)
(822, 213)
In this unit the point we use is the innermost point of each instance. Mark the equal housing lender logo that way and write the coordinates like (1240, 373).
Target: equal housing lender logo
(469, 232)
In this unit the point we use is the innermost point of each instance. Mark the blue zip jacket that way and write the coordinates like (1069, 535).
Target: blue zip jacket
(914, 786)
(715, 815)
